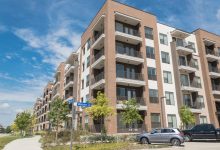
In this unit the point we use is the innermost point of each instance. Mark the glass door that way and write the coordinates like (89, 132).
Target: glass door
(184, 80)
(187, 100)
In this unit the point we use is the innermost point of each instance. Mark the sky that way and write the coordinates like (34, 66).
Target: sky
(36, 35)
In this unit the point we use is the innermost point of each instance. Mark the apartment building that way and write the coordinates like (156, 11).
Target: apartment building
(126, 53)
(209, 45)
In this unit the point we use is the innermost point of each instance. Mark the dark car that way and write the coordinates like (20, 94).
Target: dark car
(202, 131)
(165, 135)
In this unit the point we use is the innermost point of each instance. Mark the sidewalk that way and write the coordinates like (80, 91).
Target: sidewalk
(24, 144)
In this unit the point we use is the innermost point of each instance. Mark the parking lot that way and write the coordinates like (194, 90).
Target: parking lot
(201, 145)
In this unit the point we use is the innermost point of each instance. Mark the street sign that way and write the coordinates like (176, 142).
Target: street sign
(84, 104)
(70, 101)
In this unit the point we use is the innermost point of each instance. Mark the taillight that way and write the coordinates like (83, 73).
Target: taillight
(181, 134)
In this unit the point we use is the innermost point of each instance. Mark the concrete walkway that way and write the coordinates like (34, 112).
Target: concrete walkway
(24, 144)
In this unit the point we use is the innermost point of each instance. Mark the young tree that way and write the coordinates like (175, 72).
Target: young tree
(14, 128)
(8, 129)
(100, 109)
(23, 121)
(58, 114)
(130, 112)
(186, 116)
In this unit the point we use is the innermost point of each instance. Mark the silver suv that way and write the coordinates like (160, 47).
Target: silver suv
(165, 135)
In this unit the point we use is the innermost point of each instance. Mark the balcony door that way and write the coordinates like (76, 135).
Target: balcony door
(182, 60)
(187, 100)
(184, 80)
(179, 42)
(131, 93)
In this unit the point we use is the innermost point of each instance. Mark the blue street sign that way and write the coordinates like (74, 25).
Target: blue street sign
(84, 104)
(70, 101)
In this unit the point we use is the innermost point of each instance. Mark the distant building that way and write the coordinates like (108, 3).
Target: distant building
(1, 129)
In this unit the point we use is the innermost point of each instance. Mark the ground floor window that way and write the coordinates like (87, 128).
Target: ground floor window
(155, 120)
(202, 119)
(172, 123)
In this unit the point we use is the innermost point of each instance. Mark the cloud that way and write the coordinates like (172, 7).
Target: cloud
(4, 105)
(218, 14)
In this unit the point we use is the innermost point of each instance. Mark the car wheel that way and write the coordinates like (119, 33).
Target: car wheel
(175, 142)
(187, 138)
(144, 141)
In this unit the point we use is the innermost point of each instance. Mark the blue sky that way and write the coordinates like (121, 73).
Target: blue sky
(36, 35)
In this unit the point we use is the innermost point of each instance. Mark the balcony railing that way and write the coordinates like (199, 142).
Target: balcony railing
(98, 77)
(130, 75)
(133, 53)
(191, 84)
(195, 105)
(69, 80)
(139, 100)
(215, 87)
(127, 30)
(99, 33)
(68, 95)
(97, 56)
(134, 128)
(211, 52)
(184, 44)
(214, 69)
(188, 64)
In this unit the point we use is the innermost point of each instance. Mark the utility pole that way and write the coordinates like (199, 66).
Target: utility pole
(72, 125)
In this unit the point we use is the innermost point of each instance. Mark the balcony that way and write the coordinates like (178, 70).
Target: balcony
(68, 95)
(69, 69)
(191, 87)
(98, 81)
(140, 101)
(56, 84)
(214, 72)
(196, 107)
(130, 79)
(131, 57)
(135, 128)
(98, 60)
(98, 41)
(184, 48)
(211, 55)
(68, 84)
(187, 67)
(216, 89)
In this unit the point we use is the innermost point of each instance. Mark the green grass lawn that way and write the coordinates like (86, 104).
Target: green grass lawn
(108, 146)
(5, 140)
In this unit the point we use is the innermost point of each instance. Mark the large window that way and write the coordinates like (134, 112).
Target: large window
(125, 28)
(172, 123)
(202, 119)
(167, 77)
(169, 98)
(192, 46)
(197, 82)
(152, 75)
(153, 95)
(200, 102)
(163, 39)
(184, 80)
(88, 61)
(155, 120)
(87, 80)
(187, 100)
(150, 52)
(149, 33)
(165, 57)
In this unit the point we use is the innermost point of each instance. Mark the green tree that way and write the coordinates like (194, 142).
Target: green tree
(100, 109)
(58, 114)
(8, 129)
(23, 121)
(130, 112)
(186, 117)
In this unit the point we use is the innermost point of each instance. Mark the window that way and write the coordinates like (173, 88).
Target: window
(197, 82)
(172, 123)
(152, 75)
(195, 63)
(88, 44)
(155, 120)
(218, 51)
(167, 77)
(200, 101)
(163, 39)
(187, 100)
(169, 98)
(82, 84)
(84, 51)
(202, 119)
(165, 57)
(87, 80)
(192, 46)
(150, 52)
(83, 65)
(149, 33)
(153, 95)
(88, 61)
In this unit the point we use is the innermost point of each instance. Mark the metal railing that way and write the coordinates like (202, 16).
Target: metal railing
(191, 84)
(186, 45)
(133, 53)
(214, 69)
(211, 52)
(130, 75)
(135, 128)
(97, 78)
(215, 87)
(139, 100)
(97, 56)
(95, 37)
(133, 32)
(189, 64)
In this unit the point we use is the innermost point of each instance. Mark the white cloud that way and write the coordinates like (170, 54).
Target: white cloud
(4, 105)
(8, 56)
(218, 14)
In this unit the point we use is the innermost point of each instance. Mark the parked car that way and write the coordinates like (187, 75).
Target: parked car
(202, 131)
(164, 135)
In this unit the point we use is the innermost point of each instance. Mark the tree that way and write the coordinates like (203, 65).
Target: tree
(23, 121)
(186, 116)
(14, 128)
(100, 109)
(8, 129)
(58, 114)
(130, 112)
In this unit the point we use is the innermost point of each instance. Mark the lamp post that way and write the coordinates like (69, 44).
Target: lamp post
(162, 114)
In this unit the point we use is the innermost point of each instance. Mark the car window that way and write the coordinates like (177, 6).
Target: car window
(156, 131)
(209, 127)
(167, 131)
